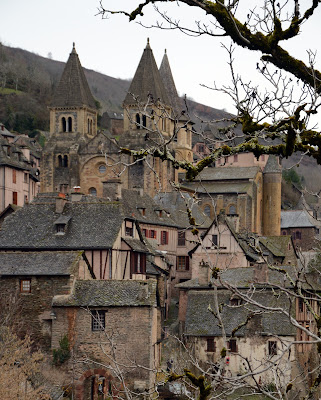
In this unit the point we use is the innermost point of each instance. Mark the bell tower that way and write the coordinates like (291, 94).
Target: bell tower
(73, 122)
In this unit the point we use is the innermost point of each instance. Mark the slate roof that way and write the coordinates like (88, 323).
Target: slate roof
(73, 89)
(201, 322)
(147, 81)
(94, 223)
(133, 202)
(175, 204)
(217, 188)
(135, 244)
(297, 219)
(169, 83)
(277, 245)
(228, 173)
(109, 293)
(272, 165)
(41, 263)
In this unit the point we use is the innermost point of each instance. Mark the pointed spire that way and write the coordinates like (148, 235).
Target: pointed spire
(73, 89)
(146, 81)
(168, 81)
(272, 165)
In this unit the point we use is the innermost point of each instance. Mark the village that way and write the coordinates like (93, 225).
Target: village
(125, 272)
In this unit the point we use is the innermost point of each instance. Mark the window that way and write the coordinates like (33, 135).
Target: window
(211, 345)
(145, 232)
(262, 157)
(25, 199)
(129, 228)
(298, 235)
(60, 161)
(284, 232)
(300, 305)
(164, 237)
(182, 263)
(235, 158)
(201, 148)
(142, 210)
(273, 348)
(232, 210)
(60, 229)
(98, 320)
(65, 162)
(207, 210)
(64, 124)
(93, 191)
(102, 168)
(214, 240)
(25, 286)
(152, 234)
(25, 177)
(69, 124)
(144, 121)
(181, 238)
(233, 346)
(137, 121)
(137, 263)
(15, 198)
(14, 176)
(235, 302)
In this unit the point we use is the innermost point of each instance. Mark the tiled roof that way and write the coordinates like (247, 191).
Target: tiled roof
(175, 204)
(201, 322)
(277, 245)
(297, 219)
(147, 81)
(110, 293)
(38, 263)
(73, 89)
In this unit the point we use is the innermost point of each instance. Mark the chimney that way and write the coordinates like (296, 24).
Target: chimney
(112, 189)
(260, 273)
(60, 203)
(76, 195)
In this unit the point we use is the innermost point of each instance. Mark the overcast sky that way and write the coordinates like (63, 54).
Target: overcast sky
(114, 46)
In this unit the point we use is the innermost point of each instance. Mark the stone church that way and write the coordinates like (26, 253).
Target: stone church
(78, 155)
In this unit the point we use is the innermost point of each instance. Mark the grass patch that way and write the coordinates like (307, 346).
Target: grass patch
(10, 91)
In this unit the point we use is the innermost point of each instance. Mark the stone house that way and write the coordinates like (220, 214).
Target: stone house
(30, 280)
(303, 228)
(112, 324)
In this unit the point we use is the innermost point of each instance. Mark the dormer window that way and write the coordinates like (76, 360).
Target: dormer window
(60, 228)
(159, 213)
(129, 228)
(61, 224)
(142, 210)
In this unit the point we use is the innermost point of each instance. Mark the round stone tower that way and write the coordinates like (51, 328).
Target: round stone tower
(272, 176)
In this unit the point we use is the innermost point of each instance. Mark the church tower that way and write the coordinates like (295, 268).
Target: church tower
(183, 125)
(73, 121)
(272, 177)
(147, 123)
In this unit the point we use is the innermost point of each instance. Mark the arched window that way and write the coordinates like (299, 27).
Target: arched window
(284, 232)
(59, 161)
(65, 162)
(69, 124)
(91, 126)
(64, 124)
(164, 124)
(232, 210)
(298, 235)
(93, 191)
(207, 210)
(137, 121)
(144, 121)
(88, 126)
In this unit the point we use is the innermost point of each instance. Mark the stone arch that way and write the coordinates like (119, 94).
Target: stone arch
(69, 124)
(95, 384)
(63, 124)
